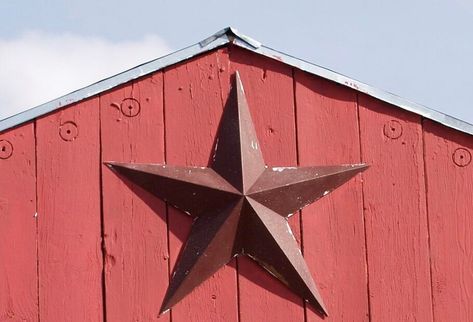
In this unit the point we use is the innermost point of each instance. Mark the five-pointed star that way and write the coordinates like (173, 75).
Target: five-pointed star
(239, 205)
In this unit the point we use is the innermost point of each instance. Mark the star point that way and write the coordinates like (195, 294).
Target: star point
(238, 157)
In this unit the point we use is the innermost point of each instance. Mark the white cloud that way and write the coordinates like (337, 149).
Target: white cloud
(38, 66)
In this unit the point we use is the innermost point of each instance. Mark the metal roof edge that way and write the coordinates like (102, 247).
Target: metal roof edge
(223, 37)
(231, 34)
(115, 80)
(382, 95)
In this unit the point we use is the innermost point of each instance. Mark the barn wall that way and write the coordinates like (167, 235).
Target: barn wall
(395, 213)
(449, 182)
(134, 224)
(333, 228)
(18, 224)
(270, 95)
(194, 94)
(69, 214)
(394, 244)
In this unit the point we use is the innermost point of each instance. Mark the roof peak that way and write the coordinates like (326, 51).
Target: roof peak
(231, 33)
(218, 39)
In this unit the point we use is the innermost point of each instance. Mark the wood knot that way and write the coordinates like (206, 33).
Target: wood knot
(109, 260)
(271, 130)
(3, 206)
(6, 149)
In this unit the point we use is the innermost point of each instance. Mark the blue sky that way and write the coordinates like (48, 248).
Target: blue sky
(421, 50)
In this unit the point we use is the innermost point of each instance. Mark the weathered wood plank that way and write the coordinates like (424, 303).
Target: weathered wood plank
(18, 260)
(269, 89)
(449, 174)
(70, 257)
(195, 93)
(135, 229)
(395, 213)
(333, 229)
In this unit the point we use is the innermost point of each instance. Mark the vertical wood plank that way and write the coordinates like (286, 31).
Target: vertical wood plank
(195, 93)
(18, 260)
(395, 213)
(269, 90)
(449, 173)
(70, 257)
(135, 229)
(333, 230)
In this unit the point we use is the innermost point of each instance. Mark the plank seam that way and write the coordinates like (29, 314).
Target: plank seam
(36, 218)
(238, 288)
(363, 209)
(296, 129)
(168, 242)
(222, 98)
(237, 259)
(102, 217)
(427, 213)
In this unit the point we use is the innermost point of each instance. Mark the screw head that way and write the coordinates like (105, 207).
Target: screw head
(461, 157)
(69, 131)
(130, 107)
(6, 149)
(392, 129)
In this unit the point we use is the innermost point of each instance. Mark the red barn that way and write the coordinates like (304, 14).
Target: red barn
(77, 243)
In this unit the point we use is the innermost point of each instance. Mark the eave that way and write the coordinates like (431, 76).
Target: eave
(219, 39)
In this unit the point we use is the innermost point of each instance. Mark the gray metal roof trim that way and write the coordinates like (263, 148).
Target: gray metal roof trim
(113, 81)
(382, 95)
(219, 39)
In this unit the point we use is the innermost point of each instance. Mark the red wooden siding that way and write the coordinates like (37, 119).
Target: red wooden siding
(394, 244)
(69, 234)
(18, 278)
(269, 91)
(135, 229)
(195, 93)
(333, 231)
(395, 213)
(449, 175)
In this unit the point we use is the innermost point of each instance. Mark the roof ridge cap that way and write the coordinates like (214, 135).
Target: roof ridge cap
(230, 33)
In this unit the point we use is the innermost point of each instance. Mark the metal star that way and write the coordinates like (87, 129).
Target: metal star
(239, 206)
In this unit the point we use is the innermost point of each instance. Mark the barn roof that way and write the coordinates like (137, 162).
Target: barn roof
(221, 38)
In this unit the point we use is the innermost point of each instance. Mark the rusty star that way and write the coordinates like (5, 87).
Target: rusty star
(239, 205)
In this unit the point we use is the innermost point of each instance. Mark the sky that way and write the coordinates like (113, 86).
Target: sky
(420, 50)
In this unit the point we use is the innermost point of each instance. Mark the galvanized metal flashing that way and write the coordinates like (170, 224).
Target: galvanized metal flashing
(221, 38)
(110, 82)
(232, 34)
